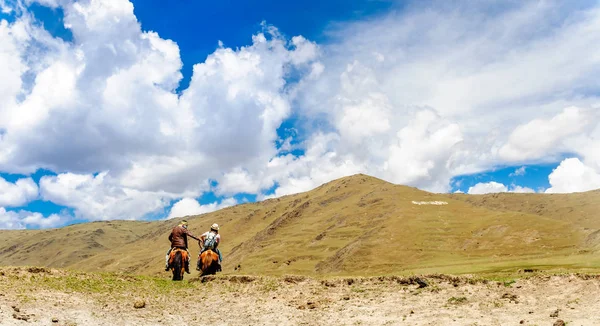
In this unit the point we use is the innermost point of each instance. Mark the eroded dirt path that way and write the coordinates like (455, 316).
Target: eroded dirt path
(36, 297)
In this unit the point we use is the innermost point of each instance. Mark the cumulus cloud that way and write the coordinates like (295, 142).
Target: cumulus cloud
(541, 137)
(519, 189)
(23, 219)
(19, 193)
(106, 102)
(496, 187)
(395, 107)
(572, 175)
(486, 188)
(189, 206)
(417, 97)
(99, 197)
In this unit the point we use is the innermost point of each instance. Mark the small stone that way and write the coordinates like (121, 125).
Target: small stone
(347, 297)
(16, 309)
(522, 322)
(559, 322)
(20, 316)
(139, 304)
(555, 313)
(412, 312)
(54, 320)
(422, 284)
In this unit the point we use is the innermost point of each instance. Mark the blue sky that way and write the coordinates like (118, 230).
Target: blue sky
(198, 26)
(105, 120)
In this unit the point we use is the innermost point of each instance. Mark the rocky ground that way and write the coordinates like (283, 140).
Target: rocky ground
(38, 296)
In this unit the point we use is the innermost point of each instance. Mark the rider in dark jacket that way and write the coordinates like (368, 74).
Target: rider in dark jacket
(178, 238)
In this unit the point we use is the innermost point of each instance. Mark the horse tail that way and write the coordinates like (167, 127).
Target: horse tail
(178, 266)
(209, 260)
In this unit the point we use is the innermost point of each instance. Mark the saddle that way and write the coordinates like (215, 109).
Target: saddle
(184, 254)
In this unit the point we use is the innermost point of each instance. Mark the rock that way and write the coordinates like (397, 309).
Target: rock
(36, 270)
(421, 283)
(522, 322)
(559, 322)
(139, 304)
(555, 313)
(54, 320)
(346, 297)
(328, 284)
(21, 316)
(510, 297)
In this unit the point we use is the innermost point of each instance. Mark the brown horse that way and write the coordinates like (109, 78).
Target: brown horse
(208, 262)
(177, 260)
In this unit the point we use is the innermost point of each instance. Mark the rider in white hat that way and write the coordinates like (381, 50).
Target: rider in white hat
(211, 240)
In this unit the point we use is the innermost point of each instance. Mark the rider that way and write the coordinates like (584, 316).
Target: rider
(210, 240)
(178, 238)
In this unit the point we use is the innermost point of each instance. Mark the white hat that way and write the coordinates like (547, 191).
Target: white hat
(215, 227)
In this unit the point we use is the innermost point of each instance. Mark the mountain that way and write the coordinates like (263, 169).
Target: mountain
(357, 225)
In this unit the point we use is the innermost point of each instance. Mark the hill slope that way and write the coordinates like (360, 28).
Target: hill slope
(356, 225)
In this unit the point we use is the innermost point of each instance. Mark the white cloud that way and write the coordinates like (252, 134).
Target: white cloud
(239, 180)
(495, 187)
(519, 189)
(4, 8)
(189, 206)
(423, 153)
(572, 175)
(19, 193)
(519, 172)
(477, 72)
(100, 197)
(106, 102)
(24, 219)
(487, 188)
(542, 137)
(415, 97)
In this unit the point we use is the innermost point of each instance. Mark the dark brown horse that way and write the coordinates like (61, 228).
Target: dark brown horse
(177, 260)
(208, 262)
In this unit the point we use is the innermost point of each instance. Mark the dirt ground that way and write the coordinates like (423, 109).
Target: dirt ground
(53, 297)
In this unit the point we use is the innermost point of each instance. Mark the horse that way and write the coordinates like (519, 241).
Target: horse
(208, 262)
(177, 260)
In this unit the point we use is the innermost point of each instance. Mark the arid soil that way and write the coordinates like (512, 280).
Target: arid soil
(30, 296)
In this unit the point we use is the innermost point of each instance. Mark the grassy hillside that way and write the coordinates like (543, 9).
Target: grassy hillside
(356, 225)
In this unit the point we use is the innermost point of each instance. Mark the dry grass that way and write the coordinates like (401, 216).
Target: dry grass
(353, 226)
